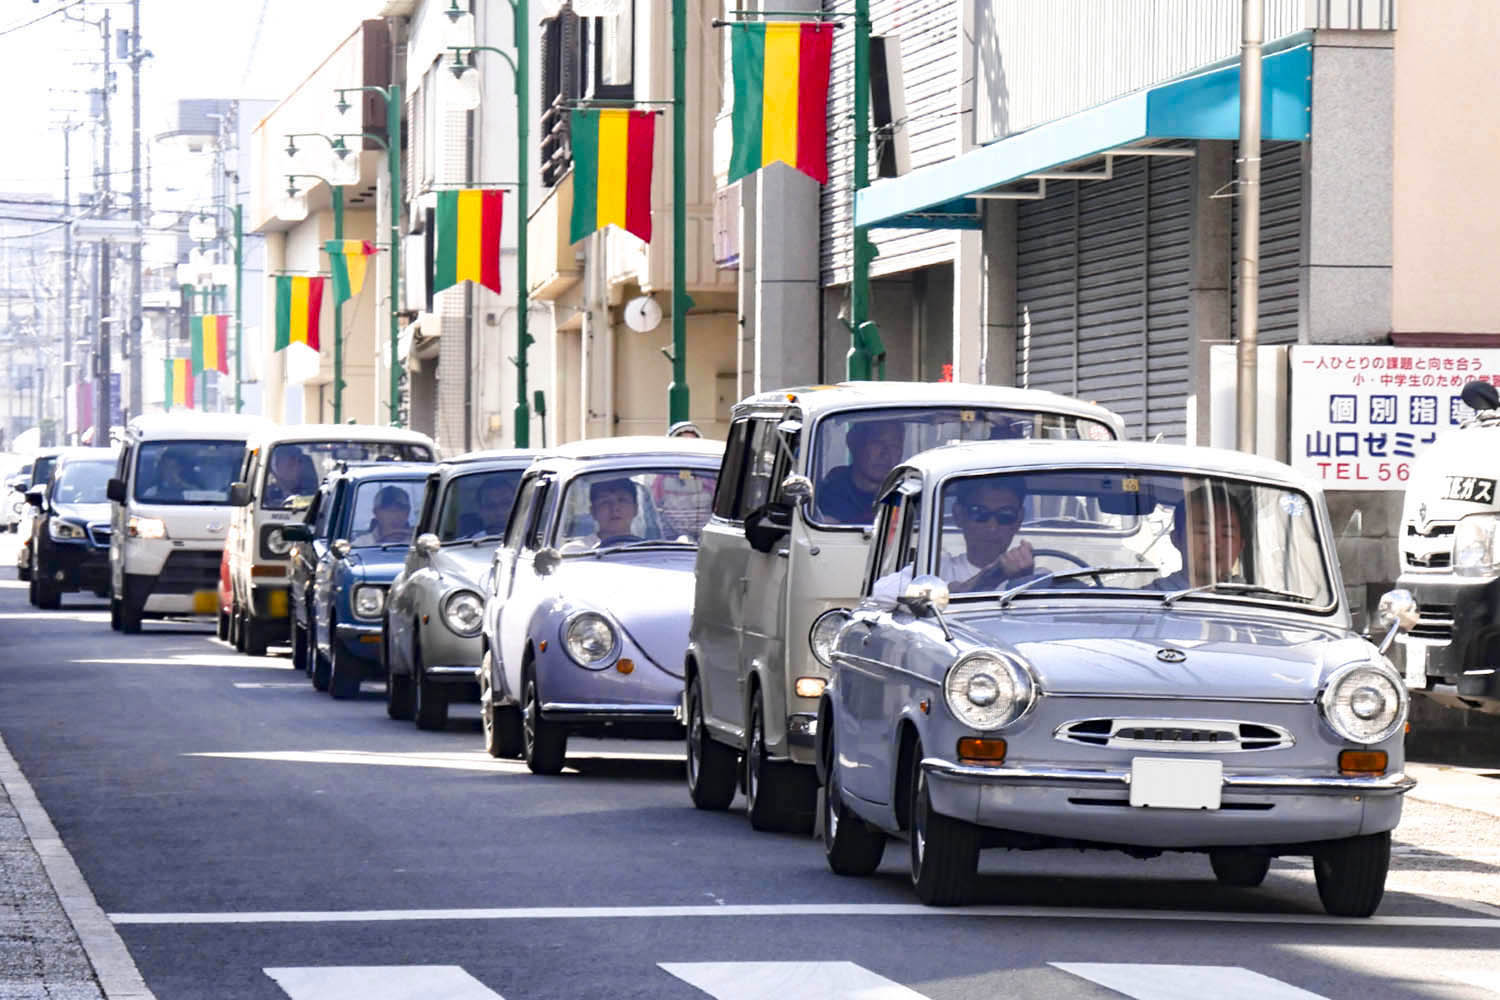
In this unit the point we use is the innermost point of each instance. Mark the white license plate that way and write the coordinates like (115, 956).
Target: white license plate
(1416, 664)
(1165, 783)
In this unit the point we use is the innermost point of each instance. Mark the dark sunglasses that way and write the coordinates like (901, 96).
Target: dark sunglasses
(980, 514)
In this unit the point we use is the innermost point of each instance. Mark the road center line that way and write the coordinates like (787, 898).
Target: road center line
(791, 910)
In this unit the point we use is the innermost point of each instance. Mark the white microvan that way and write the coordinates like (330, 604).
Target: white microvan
(282, 471)
(170, 513)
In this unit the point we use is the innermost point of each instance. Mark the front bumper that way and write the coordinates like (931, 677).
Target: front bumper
(1456, 641)
(74, 566)
(591, 712)
(1078, 804)
(362, 641)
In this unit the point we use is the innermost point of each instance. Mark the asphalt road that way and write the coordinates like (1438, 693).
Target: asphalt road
(251, 838)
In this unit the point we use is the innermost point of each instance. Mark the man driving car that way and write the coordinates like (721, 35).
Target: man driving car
(987, 513)
(613, 504)
(847, 494)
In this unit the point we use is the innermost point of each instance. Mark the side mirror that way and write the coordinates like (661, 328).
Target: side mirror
(239, 494)
(35, 498)
(546, 560)
(340, 548)
(924, 594)
(115, 490)
(297, 532)
(427, 543)
(767, 525)
(1396, 613)
(796, 488)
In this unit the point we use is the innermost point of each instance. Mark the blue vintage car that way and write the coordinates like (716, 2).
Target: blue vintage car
(347, 553)
(1135, 647)
(590, 595)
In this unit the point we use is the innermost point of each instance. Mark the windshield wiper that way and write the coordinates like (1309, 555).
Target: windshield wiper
(476, 542)
(1235, 588)
(645, 543)
(1006, 596)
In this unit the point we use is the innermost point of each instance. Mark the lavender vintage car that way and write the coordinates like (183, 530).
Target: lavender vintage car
(590, 595)
(1125, 646)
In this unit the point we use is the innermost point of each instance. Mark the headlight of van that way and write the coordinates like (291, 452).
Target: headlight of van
(463, 612)
(65, 530)
(590, 639)
(1364, 703)
(1476, 545)
(987, 690)
(368, 601)
(146, 527)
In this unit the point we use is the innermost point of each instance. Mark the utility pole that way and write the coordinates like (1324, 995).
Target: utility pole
(67, 309)
(136, 322)
(239, 303)
(677, 392)
(1252, 36)
(102, 401)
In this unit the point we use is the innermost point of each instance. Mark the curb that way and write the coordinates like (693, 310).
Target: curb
(116, 970)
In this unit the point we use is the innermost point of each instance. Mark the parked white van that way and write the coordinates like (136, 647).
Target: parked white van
(282, 471)
(170, 513)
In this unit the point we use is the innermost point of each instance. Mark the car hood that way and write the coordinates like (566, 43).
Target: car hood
(649, 593)
(376, 565)
(464, 564)
(85, 512)
(1128, 653)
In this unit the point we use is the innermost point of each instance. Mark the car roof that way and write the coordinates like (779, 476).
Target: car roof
(199, 427)
(299, 433)
(501, 456)
(817, 399)
(361, 471)
(71, 455)
(633, 446)
(975, 456)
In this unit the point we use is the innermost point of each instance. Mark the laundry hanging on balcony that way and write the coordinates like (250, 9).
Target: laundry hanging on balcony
(347, 262)
(612, 160)
(468, 238)
(780, 96)
(177, 389)
(299, 307)
(210, 339)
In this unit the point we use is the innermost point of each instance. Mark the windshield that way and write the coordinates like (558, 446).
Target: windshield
(623, 506)
(41, 469)
(383, 511)
(855, 450)
(1156, 532)
(295, 470)
(187, 472)
(477, 505)
(82, 482)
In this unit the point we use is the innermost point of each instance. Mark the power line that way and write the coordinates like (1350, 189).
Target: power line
(37, 20)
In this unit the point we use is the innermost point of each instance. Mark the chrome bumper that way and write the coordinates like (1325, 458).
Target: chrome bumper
(452, 675)
(601, 712)
(1380, 785)
(349, 632)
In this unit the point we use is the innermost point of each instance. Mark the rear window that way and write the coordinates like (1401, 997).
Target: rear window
(187, 472)
(294, 470)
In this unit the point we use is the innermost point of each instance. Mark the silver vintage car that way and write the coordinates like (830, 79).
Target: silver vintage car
(1125, 646)
(590, 595)
(433, 616)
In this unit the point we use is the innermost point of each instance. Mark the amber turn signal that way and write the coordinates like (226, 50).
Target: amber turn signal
(1354, 762)
(809, 687)
(625, 665)
(973, 750)
(542, 646)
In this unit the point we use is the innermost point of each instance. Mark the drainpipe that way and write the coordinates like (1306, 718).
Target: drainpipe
(1252, 36)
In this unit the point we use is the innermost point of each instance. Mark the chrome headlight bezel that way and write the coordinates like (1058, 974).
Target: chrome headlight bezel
(572, 635)
(824, 632)
(457, 601)
(1004, 680)
(1476, 544)
(375, 594)
(1344, 685)
(66, 531)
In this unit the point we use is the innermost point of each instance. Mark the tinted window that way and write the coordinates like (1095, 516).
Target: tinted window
(82, 482)
(524, 510)
(384, 511)
(187, 472)
(760, 466)
(477, 505)
(295, 470)
(733, 468)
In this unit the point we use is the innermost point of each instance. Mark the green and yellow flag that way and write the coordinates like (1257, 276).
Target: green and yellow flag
(347, 259)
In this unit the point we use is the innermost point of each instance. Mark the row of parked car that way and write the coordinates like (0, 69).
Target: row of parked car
(972, 616)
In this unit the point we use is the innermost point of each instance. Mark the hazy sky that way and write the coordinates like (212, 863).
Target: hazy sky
(201, 48)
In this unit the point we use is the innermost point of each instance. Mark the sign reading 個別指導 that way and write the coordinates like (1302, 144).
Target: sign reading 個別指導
(1361, 415)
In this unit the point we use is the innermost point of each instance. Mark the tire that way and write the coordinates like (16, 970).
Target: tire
(223, 627)
(502, 723)
(944, 851)
(255, 637)
(779, 798)
(114, 613)
(23, 572)
(237, 629)
(1351, 874)
(431, 704)
(1239, 868)
(130, 613)
(710, 764)
(48, 597)
(344, 674)
(31, 591)
(398, 694)
(851, 845)
(299, 645)
(544, 745)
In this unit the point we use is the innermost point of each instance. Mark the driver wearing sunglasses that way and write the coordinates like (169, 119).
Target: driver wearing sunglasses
(988, 514)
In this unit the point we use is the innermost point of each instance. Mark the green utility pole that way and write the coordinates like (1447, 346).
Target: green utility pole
(864, 339)
(338, 312)
(677, 393)
(239, 304)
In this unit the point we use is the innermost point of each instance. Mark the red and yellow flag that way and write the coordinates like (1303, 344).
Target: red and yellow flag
(177, 390)
(299, 306)
(210, 337)
(612, 158)
(468, 239)
(780, 96)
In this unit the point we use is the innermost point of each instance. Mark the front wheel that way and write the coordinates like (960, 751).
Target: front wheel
(1351, 874)
(710, 764)
(255, 637)
(944, 850)
(544, 744)
(851, 845)
(398, 698)
(779, 797)
(222, 631)
(431, 709)
(344, 673)
(48, 595)
(502, 723)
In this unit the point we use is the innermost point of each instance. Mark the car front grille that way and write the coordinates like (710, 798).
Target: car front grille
(99, 534)
(1435, 622)
(1169, 735)
(1430, 548)
(188, 570)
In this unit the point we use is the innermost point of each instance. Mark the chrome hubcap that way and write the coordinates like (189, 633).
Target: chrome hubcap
(752, 762)
(528, 728)
(919, 825)
(695, 733)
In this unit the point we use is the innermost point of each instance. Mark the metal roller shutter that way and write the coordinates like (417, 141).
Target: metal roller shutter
(1169, 246)
(1046, 291)
(1111, 292)
(1280, 244)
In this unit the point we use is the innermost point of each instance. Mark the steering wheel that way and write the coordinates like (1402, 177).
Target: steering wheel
(1067, 557)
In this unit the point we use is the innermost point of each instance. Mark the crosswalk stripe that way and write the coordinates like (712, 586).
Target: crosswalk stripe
(1185, 982)
(789, 981)
(381, 982)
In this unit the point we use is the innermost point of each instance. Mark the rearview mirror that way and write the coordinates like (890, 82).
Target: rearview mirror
(1397, 612)
(427, 543)
(239, 494)
(924, 594)
(797, 488)
(546, 560)
(767, 525)
(297, 532)
(35, 497)
(340, 548)
(115, 490)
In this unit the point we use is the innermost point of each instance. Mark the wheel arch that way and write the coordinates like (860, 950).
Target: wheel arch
(907, 740)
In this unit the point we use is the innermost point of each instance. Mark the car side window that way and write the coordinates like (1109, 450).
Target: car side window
(760, 465)
(536, 533)
(521, 513)
(428, 519)
(122, 471)
(726, 495)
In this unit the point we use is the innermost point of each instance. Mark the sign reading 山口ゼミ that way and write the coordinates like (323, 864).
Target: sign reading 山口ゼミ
(1360, 415)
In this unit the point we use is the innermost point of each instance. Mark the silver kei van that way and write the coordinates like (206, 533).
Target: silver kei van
(791, 525)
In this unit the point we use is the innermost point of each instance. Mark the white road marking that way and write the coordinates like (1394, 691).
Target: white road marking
(253, 685)
(195, 660)
(381, 982)
(476, 760)
(1433, 967)
(793, 910)
(54, 616)
(788, 981)
(1185, 982)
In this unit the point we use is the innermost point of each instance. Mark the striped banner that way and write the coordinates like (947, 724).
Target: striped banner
(468, 239)
(177, 389)
(299, 307)
(210, 338)
(780, 96)
(348, 261)
(612, 159)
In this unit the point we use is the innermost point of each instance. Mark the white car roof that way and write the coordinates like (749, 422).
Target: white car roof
(627, 447)
(816, 399)
(295, 433)
(198, 427)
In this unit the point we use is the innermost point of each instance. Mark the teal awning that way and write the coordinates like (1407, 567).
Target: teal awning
(1205, 106)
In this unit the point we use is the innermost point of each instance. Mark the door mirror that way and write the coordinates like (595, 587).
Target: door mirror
(35, 498)
(546, 560)
(796, 488)
(1397, 612)
(427, 543)
(925, 594)
(115, 490)
(297, 532)
(767, 525)
(239, 494)
(339, 548)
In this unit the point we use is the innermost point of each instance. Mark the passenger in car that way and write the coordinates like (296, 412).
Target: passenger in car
(496, 497)
(1211, 539)
(987, 513)
(391, 523)
(612, 502)
(847, 494)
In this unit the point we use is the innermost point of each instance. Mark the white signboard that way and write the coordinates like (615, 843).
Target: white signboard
(1360, 415)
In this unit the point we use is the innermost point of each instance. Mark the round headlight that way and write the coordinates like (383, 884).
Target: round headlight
(276, 543)
(825, 629)
(369, 602)
(463, 612)
(1364, 703)
(988, 691)
(590, 639)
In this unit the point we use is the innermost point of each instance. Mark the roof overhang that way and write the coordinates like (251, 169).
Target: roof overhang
(948, 195)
